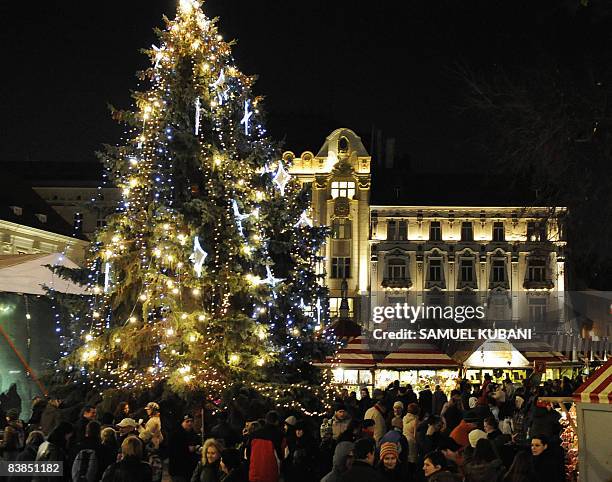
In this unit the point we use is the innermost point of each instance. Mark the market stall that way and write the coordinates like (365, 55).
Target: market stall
(361, 364)
(594, 413)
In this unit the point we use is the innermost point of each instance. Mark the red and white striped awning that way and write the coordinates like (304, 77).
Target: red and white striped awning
(417, 354)
(539, 351)
(358, 353)
(598, 387)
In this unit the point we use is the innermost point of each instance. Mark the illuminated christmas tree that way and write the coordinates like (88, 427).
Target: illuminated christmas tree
(209, 271)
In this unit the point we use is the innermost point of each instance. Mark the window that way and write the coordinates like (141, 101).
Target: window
(499, 271)
(498, 232)
(435, 270)
(397, 230)
(537, 309)
(466, 272)
(341, 228)
(536, 270)
(334, 307)
(341, 267)
(536, 231)
(397, 269)
(343, 145)
(435, 231)
(467, 233)
(343, 189)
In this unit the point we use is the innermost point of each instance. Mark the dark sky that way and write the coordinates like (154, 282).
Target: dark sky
(321, 64)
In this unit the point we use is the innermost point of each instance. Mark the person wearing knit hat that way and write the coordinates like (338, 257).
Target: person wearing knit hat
(291, 420)
(472, 402)
(475, 435)
(388, 448)
(398, 409)
(390, 467)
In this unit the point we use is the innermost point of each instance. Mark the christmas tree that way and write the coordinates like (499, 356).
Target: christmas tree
(209, 272)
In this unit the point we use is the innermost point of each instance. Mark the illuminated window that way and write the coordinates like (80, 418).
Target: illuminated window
(343, 189)
(435, 270)
(498, 232)
(536, 231)
(435, 231)
(397, 230)
(467, 232)
(341, 228)
(341, 267)
(397, 269)
(466, 272)
(536, 270)
(537, 309)
(334, 307)
(499, 271)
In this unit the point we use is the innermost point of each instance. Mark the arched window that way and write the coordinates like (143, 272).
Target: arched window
(343, 145)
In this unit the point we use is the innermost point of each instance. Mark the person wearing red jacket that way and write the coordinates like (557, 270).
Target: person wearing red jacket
(266, 450)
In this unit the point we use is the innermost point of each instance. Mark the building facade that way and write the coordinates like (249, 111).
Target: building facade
(390, 253)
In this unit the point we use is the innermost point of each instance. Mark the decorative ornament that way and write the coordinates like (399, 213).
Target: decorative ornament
(159, 54)
(304, 221)
(197, 116)
(281, 178)
(318, 307)
(247, 116)
(106, 276)
(239, 217)
(198, 256)
(270, 279)
(222, 94)
(187, 6)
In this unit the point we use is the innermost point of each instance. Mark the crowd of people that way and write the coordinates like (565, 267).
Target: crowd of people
(491, 432)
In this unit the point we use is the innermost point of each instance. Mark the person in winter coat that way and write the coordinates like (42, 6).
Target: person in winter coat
(396, 436)
(438, 400)
(152, 430)
(265, 450)
(521, 469)
(209, 468)
(547, 460)
(122, 411)
(340, 421)
(91, 441)
(302, 465)
(425, 400)
(390, 467)
(9, 445)
(545, 421)
(377, 413)
(54, 449)
(326, 448)
(435, 468)
(52, 415)
(362, 469)
(365, 402)
(410, 422)
(33, 442)
(108, 449)
(232, 466)
(342, 456)
(485, 465)
(182, 455)
(87, 415)
(452, 412)
(131, 468)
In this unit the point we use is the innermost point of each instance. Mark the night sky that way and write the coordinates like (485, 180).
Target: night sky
(321, 65)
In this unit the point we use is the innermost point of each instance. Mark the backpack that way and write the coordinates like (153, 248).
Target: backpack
(85, 466)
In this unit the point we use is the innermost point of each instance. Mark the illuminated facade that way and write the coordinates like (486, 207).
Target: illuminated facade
(387, 252)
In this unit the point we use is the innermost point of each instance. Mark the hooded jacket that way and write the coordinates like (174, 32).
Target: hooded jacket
(340, 455)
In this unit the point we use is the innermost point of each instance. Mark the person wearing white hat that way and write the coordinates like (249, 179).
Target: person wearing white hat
(151, 432)
(475, 435)
(127, 427)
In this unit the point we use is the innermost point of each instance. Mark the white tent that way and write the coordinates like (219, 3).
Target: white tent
(27, 273)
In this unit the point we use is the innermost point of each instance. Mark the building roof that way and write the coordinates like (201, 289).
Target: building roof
(598, 387)
(16, 195)
(402, 187)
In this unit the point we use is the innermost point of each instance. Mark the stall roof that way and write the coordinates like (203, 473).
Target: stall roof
(417, 354)
(598, 387)
(540, 351)
(28, 273)
(358, 353)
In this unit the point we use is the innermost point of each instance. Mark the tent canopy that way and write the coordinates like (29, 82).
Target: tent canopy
(598, 387)
(28, 274)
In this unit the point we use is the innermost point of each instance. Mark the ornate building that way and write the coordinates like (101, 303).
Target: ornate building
(410, 238)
